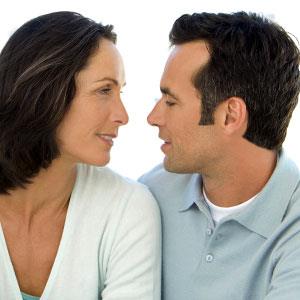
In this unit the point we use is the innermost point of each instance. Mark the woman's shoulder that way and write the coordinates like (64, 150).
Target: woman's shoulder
(104, 176)
(102, 181)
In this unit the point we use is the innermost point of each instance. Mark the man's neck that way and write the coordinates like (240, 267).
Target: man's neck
(242, 176)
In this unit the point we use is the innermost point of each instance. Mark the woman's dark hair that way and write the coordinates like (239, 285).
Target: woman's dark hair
(252, 58)
(37, 84)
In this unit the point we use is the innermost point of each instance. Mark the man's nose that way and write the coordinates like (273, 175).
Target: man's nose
(155, 118)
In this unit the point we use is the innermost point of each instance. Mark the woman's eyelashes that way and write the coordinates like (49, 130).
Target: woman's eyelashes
(105, 90)
(108, 90)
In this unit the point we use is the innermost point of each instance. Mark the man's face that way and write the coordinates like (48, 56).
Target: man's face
(188, 147)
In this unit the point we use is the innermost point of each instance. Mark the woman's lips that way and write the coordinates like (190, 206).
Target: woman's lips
(107, 138)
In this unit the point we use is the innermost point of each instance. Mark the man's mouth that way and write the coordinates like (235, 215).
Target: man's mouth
(165, 146)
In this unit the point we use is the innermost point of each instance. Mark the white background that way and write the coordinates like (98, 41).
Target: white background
(142, 28)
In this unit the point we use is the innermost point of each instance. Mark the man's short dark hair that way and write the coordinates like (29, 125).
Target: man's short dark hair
(37, 84)
(252, 58)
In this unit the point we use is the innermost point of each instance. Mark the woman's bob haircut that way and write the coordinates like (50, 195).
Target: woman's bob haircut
(38, 66)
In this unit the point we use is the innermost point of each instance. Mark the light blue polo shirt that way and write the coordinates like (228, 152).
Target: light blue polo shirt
(250, 255)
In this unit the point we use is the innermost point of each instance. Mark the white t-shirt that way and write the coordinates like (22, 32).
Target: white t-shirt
(219, 212)
(110, 247)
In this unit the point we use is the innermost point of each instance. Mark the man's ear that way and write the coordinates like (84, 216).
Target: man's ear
(232, 115)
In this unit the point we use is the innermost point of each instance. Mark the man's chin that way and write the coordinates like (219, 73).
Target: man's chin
(176, 167)
(171, 166)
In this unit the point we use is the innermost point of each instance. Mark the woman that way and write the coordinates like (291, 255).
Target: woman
(69, 230)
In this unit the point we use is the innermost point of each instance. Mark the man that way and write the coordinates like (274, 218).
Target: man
(229, 196)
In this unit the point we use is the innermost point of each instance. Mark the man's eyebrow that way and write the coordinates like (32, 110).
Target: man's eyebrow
(114, 81)
(166, 91)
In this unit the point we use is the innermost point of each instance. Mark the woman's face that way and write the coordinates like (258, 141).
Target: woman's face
(87, 131)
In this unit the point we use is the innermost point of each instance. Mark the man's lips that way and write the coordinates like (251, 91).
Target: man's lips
(166, 140)
(165, 146)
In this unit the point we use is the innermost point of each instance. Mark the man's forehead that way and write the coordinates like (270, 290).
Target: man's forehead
(186, 59)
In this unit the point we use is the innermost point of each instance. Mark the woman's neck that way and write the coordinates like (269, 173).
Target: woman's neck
(49, 192)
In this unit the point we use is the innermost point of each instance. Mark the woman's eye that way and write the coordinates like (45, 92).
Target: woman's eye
(105, 91)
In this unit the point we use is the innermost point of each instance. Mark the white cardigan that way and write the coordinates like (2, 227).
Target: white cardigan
(111, 244)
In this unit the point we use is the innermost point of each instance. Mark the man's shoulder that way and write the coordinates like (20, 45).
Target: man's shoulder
(160, 176)
(164, 184)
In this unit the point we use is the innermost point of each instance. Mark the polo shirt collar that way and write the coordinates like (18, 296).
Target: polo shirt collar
(267, 211)
(192, 193)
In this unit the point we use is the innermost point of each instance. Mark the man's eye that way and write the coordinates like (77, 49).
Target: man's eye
(169, 103)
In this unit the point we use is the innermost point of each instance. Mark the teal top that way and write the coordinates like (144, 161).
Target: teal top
(253, 254)
(29, 297)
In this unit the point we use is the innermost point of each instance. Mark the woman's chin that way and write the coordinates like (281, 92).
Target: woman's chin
(98, 161)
